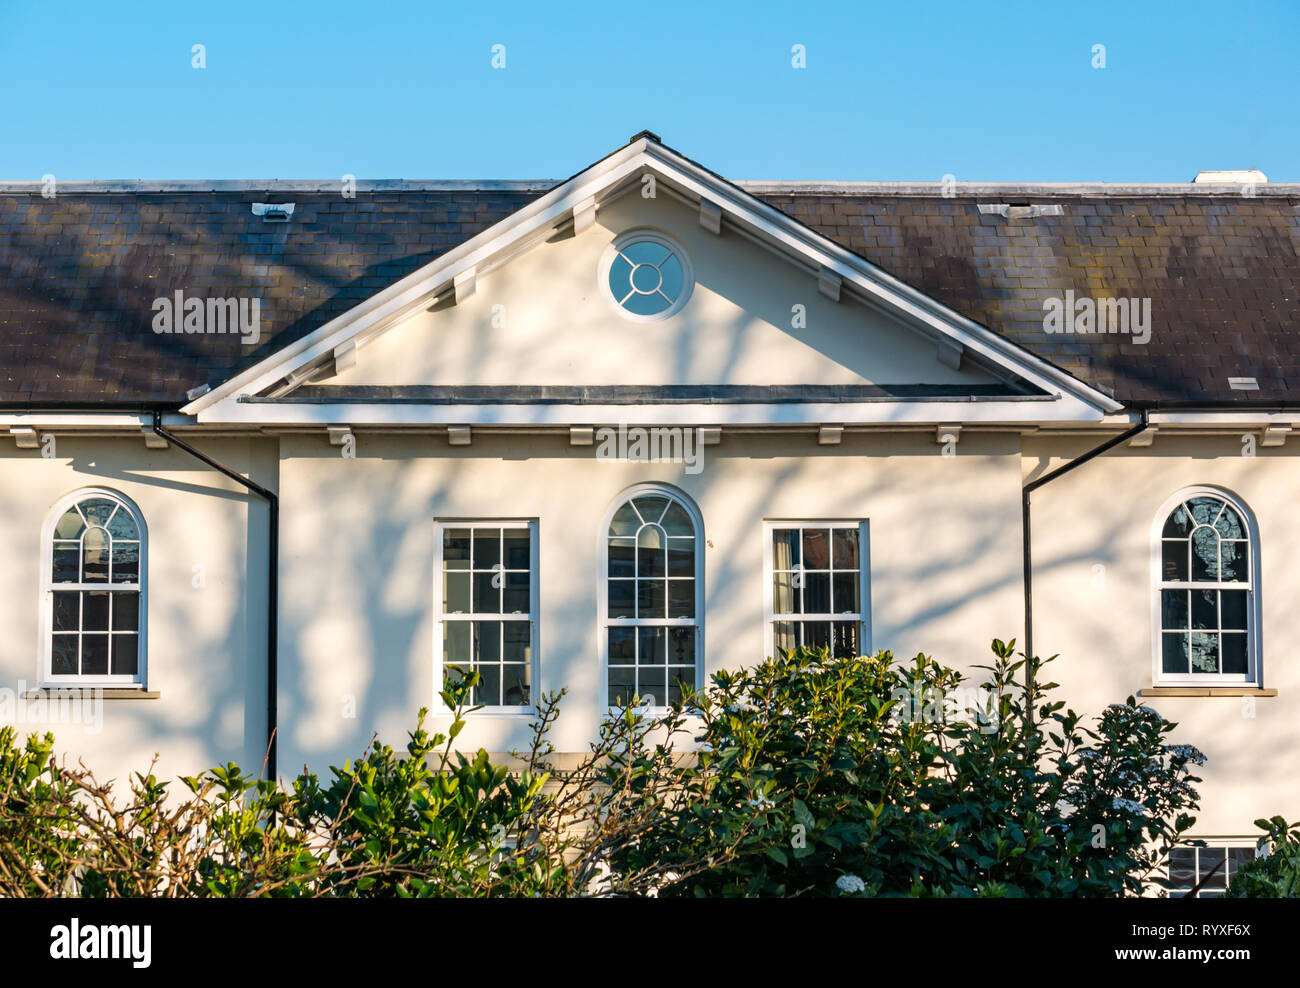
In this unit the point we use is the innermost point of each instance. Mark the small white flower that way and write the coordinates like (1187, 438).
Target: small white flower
(850, 883)
(1129, 806)
(1188, 752)
(761, 803)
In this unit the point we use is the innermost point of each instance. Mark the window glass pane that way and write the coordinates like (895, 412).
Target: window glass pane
(1173, 658)
(816, 548)
(625, 521)
(1179, 525)
(1205, 555)
(126, 611)
(1234, 653)
(783, 637)
(681, 557)
(1205, 652)
(1174, 564)
(844, 644)
(64, 655)
(487, 641)
(455, 593)
(122, 526)
(455, 548)
(651, 552)
(817, 593)
(517, 638)
(785, 597)
(785, 548)
(1213, 863)
(1235, 566)
(1204, 509)
(456, 644)
(487, 548)
(1229, 524)
(1205, 609)
(70, 526)
(1182, 867)
(95, 546)
(94, 655)
(652, 685)
(514, 548)
(681, 646)
(67, 563)
(652, 507)
(622, 645)
(94, 611)
(515, 597)
(676, 521)
(652, 598)
(126, 562)
(680, 680)
(515, 688)
(622, 557)
(681, 598)
(815, 634)
(846, 548)
(1173, 609)
(846, 593)
(622, 598)
(622, 685)
(652, 646)
(67, 610)
(488, 691)
(1234, 608)
(487, 591)
(126, 655)
(97, 510)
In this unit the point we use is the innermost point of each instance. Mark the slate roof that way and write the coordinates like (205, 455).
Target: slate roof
(79, 273)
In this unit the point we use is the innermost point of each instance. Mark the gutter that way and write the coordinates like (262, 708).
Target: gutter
(272, 581)
(1025, 493)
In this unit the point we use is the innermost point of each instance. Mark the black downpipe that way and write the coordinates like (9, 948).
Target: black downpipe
(1027, 490)
(272, 581)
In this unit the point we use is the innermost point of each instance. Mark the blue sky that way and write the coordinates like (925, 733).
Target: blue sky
(998, 91)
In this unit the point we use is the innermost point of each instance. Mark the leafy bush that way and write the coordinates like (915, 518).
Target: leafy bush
(807, 775)
(1275, 875)
(822, 776)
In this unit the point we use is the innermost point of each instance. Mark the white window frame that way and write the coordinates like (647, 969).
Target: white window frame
(1211, 844)
(46, 676)
(1252, 677)
(652, 236)
(770, 617)
(604, 622)
(440, 526)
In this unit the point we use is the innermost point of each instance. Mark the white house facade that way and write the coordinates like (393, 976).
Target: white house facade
(616, 433)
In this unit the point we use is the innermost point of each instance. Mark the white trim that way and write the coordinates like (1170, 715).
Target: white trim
(440, 525)
(863, 526)
(1254, 611)
(535, 222)
(603, 621)
(47, 589)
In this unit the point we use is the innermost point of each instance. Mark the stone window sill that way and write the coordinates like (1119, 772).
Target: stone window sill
(1206, 691)
(90, 693)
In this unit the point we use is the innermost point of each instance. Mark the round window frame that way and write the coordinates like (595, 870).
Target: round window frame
(642, 235)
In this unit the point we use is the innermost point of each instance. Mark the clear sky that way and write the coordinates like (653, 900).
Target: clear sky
(996, 91)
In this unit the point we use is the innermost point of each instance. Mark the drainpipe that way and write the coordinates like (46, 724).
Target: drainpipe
(1026, 491)
(272, 579)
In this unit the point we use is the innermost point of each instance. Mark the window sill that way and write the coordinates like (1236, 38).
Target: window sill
(90, 692)
(1206, 691)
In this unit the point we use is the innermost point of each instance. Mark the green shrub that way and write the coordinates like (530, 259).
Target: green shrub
(1275, 875)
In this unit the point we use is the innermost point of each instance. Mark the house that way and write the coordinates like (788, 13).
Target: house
(279, 452)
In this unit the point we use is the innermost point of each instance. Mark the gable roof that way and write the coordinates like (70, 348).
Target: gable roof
(78, 273)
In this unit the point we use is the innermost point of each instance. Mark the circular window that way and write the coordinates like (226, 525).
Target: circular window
(647, 275)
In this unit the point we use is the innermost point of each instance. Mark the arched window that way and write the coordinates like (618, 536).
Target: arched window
(93, 575)
(652, 597)
(1206, 588)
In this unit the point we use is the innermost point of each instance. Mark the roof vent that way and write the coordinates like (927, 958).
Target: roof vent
(1240, 176)
(1020, 210)
(273, 212)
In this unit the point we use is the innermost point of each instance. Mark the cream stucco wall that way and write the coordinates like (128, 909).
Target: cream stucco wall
(357, 558)
(206, 646)
(1099, 620)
